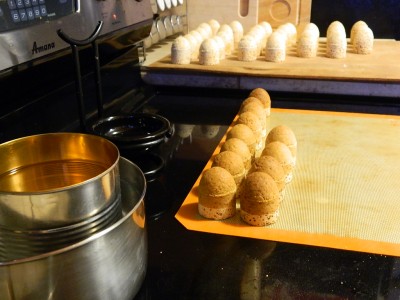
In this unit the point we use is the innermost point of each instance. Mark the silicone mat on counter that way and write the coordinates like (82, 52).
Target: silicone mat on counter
(345, 192)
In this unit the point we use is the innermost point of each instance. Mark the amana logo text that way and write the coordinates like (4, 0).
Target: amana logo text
(41, 48)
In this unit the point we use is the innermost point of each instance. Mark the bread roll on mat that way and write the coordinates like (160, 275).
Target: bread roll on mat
(238, 146)
(252, 121)
(273, 168)
(284, 134)
(217, 191)
(262, 95)
(257, 108)
(244, 133)
(251, 99)
(259, 200)
(282, 153)
(233, 163)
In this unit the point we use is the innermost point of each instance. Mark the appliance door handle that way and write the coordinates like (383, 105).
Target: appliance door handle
(89, 40)
(78, 77)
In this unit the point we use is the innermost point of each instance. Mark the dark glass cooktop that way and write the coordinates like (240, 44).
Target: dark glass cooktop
(184, 264)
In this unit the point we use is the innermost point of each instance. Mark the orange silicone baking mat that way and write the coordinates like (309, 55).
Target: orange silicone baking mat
(345, 192)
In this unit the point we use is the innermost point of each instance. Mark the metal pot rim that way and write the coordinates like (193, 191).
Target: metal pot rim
(72, 186)
(94, 236)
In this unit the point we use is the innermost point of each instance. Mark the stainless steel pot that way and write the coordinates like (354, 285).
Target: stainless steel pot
(111, 264)
(16, 244)
(56, 179)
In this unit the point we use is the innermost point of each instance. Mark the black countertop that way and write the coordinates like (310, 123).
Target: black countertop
(184, 264)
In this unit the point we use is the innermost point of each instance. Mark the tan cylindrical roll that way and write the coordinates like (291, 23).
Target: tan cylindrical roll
(233, 163)
(217, 190)
(252, 121)
(282, 153)
(244, 133)
(262, 95)
(258, 109)
(284, 134)
(238, 146)
(273, 168)
(259, 200)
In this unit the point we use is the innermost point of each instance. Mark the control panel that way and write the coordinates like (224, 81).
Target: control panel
(17, 14)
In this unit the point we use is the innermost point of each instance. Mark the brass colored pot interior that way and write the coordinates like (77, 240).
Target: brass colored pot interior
(53, 161)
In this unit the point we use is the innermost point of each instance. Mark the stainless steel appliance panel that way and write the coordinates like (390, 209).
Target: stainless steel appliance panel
(38, 38)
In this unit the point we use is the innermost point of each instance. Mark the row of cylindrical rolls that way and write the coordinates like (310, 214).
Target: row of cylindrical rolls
(211, 42)
(252, 168)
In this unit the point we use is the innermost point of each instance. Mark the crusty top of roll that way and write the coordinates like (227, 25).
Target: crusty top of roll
(250, 119)
(282, 153)
(284, 134)
(249, 100)
(230, 161)
(242, 132)
(256, 108)
(262, 95)
(272, 167)
(259, 194)
(238, 146)
(216, 182)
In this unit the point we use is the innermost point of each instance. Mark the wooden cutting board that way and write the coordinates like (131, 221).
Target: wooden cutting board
(248, 12)
(280, 12)
(382, 65)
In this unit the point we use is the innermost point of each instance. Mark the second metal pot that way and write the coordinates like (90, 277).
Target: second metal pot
(110, 264)
(56, 179)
